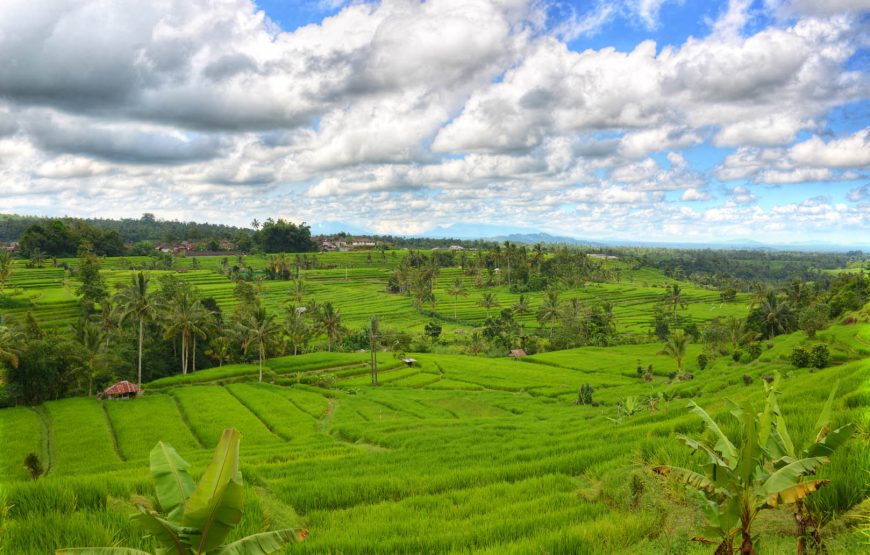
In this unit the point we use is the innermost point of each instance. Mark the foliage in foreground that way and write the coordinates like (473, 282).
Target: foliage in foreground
(197, 518)
(766, 471)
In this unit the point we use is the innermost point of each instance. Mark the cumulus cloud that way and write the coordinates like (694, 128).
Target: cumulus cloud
(400, 111)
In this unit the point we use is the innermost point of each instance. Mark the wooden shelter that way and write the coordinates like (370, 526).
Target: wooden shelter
(409, 362)
(517, 353)
(122, 390)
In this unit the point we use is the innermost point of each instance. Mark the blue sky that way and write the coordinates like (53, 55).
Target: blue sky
(637, 120)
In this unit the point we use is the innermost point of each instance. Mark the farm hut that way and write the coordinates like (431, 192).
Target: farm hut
(409, 362)
(122, 390)
(517, 353)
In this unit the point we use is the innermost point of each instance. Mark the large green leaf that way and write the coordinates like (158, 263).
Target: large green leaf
(217, 519)
(830, 442)
(101, 551)
(723, 444)
(824, 421)
(701, 446)
(750, 451)
(171, 480)
(789, 476)
(167, 534)
(262, 544)
(215, 507)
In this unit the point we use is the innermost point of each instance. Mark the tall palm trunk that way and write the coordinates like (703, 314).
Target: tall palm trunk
(193, 355)
(141, 339)
(261, 362)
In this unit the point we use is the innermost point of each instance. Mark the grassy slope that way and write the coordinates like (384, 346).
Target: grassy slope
(460, 454)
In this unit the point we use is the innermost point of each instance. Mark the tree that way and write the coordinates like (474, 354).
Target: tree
(220, 348)
(775, 314)
(90, 337)
(814, 318)
(186, 317)
(488, 301)
(457, 289)
(675, 346)
(7, 266)
(374, 331)
(93, 286)
(550, 310)
(10, 345)
(433, 330)
(674, 299)
(296, 329)
(261, 331)
(522, 307)
(135, 302)
(330, 319)
(741, 482)
(297, 292)
(783, 450)
(197, 518)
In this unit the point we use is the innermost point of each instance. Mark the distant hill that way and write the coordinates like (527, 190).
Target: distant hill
(545, 238)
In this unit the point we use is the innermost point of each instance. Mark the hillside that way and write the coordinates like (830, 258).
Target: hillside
(461, 454)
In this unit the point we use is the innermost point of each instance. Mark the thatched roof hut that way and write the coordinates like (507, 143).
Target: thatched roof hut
(122, 390)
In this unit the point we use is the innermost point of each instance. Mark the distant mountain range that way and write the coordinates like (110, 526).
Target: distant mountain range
(530, 236)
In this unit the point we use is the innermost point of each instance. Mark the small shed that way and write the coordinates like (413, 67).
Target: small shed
(409, 362)
(517, 353)
(122, 390)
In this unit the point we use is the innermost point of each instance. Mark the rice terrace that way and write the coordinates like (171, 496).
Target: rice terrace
(461, 277)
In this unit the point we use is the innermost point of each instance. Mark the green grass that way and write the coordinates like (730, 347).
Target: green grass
(458, 454)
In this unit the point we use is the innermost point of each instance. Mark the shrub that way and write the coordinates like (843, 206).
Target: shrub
(672, 375)
(736, 355)
(33, 465)
(800, 357)
(819, 356)
(703, 360)
(754, 351)
(747, 379)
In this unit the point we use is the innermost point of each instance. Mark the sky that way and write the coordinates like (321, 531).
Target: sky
(639, 120)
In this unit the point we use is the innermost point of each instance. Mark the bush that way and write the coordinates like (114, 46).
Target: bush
(703, 360)
(736, 355)
(33, 465)
(747, 379)
(800, 357)
(819, 356)
(754, 351)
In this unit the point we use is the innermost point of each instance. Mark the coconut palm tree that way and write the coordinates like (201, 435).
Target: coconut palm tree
(674, 299)
(330, 319)
(220, 348)
(135, 302)
(776, 314)
(6, 268)
(374, 332)
(675, 346)
(186, 317)
(549, 310)
(10, 340)
(488, 301)
(457, 289)
(297, 292)
(296, 330)
(260, 331)
(522, 307)
(90, 335)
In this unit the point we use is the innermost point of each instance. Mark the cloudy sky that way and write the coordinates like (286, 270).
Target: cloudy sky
(685, 120)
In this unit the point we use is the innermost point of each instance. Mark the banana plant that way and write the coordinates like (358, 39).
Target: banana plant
(197, 518)
(738, 483)
(782, 449)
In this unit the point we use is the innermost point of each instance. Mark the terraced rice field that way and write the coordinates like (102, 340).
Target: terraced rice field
(358, 290)
(456, 455)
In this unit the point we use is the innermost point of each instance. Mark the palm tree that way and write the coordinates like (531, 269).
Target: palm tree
(776, 314)
(261, 331)
(675, 346)
(297, 292)
(10, 339)
(330, 319)
(296, 330)
(674, 299)
(549, 310)
(89, 335)
(220, 348)
(456, 290)
(522, 307)
(488, 301)
(188, 318)
(6, 268)
(374, 330)
(737, 332)
(136, 302)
